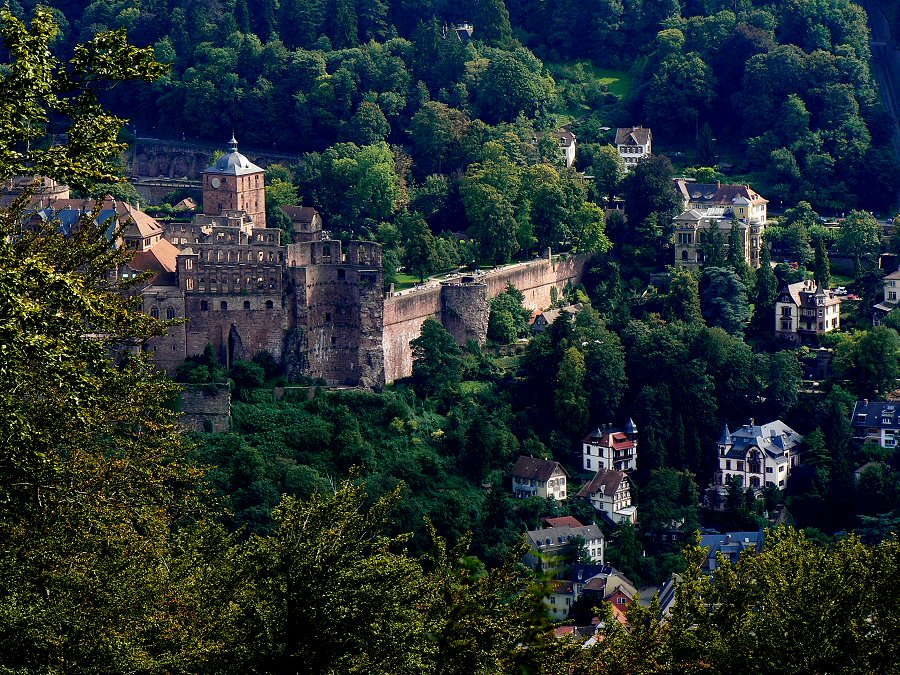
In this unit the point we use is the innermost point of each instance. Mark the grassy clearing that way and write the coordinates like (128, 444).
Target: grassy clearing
(404, 281)
(583, 86)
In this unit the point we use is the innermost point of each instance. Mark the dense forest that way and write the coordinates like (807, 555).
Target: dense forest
(779, 91)
(372, 531)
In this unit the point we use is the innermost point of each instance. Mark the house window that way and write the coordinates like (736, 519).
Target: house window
(190, 284)
(769, 469)
(333, 341)
(740, 466)
(154, 313)
(587, 463)
(785, 311)
(170, 313)
(621, 601)
(188, 264)
(728, 464)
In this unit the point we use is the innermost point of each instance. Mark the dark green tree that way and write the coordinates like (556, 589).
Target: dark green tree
(437, 360)
(724, 300)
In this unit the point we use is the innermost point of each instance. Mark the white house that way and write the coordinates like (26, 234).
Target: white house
(758, 455)
(805, 309)
(633, 144)
(609, 491)
(610, 448)
(891, 288)
(550, 544)
(536, 477)
(567, 144)
(877, 421)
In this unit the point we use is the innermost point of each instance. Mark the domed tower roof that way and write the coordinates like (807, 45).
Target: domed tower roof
(233, 163)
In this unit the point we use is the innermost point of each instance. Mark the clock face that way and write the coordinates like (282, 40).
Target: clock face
(215, 182)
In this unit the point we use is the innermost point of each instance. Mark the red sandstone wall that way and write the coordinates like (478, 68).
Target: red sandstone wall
(404, 314)
(403, 319)
(536, 278)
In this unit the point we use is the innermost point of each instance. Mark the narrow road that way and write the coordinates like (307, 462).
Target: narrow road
(885, 65)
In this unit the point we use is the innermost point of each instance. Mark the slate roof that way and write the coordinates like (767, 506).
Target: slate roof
(233, 163)
(632, 136)
(802, 293)
(880, 414)
(535, 468)
(773, 439)
(606, 482)
(731, 544)
(556, 537)
(717, 194)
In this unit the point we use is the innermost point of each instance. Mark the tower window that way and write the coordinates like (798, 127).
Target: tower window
(246, 304)
(223, 306)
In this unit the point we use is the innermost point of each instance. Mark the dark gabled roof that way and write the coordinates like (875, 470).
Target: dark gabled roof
(718, 194)
(300, 214)
(607, 480)
(633, 136)
(535, 468)
(773, 439)
(881, 414)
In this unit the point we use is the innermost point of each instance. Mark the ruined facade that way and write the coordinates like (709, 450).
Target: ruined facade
(317, 305)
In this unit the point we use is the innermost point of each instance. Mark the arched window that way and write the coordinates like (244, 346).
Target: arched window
(170, 313)
(684, 255)
(154, 312)
(246, 304)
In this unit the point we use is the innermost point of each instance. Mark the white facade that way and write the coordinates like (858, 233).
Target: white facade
(633, 144)
(758, 455)
(608, 448)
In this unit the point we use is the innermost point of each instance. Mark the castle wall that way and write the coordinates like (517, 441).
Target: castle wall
(404, 315)
(464, 308)
(166, 302)
(206, 407)
(238, 326)
(536, 277)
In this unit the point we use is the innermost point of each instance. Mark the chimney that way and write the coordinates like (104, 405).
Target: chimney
(718, 185)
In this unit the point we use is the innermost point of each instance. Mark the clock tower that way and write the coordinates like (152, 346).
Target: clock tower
(234, 183)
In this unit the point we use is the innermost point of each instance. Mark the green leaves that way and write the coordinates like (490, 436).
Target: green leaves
(50, 118)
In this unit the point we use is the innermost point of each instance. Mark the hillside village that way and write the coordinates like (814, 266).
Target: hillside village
(490, 350)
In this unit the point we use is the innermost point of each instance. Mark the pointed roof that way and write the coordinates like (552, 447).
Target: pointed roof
(631, 427)
(726, 436)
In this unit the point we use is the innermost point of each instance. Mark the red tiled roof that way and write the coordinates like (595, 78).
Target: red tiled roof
(564, 521)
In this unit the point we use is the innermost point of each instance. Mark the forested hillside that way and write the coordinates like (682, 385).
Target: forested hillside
(784, 86)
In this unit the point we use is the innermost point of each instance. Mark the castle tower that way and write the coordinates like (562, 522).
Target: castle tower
(234, 183)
